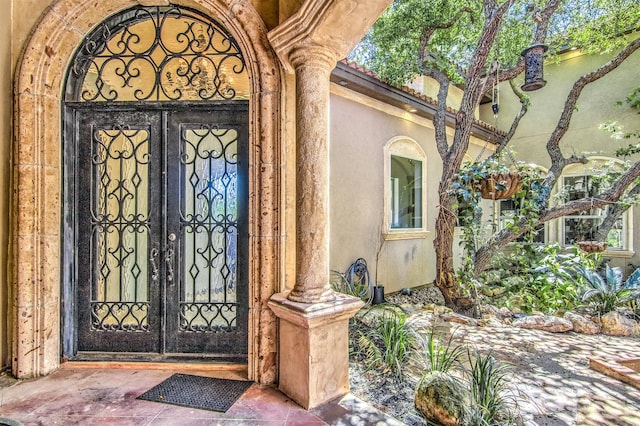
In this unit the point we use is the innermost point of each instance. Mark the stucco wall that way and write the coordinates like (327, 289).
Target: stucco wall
(595, 106)
(359, 130)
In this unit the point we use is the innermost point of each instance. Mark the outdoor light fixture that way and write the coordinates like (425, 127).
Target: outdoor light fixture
(533, 67)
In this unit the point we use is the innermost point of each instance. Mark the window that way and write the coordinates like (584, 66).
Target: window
(507, 210)
(584, 225)
(581, 182)
(404, 188)
(406, 192)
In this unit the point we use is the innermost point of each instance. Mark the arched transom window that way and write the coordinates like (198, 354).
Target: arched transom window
(158, 54)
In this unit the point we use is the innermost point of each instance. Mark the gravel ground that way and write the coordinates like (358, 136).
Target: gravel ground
(550, 372)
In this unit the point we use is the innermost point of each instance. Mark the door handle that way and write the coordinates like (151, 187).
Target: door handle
(168, 258)
(154, 266)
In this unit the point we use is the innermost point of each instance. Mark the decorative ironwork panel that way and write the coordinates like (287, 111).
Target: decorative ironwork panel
(159, 54)
(209, 227)
(120, 229)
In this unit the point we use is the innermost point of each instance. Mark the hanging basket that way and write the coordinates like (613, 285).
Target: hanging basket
(592, 246)
(500, 186)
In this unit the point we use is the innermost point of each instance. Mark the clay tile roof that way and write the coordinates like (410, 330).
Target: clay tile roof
(413, 93)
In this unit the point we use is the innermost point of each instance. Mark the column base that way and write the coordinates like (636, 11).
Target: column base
(314, 348)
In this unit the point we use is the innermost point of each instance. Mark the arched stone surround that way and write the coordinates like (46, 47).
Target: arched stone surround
(35, 251)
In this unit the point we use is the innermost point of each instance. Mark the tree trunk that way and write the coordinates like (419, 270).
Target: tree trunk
(446, 281)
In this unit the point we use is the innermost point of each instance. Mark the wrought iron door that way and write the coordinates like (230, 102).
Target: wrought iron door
(162, 231)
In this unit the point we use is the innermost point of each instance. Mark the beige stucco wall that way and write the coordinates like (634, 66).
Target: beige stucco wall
(595, 106)
(430, 87)
(359, 129)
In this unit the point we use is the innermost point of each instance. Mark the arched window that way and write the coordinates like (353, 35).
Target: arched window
(404, 188)
(585, 180)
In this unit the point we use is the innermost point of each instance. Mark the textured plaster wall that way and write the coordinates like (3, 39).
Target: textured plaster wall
(595, 106)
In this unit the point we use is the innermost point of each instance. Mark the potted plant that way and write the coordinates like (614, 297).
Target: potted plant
(492, 178)
(592, 246)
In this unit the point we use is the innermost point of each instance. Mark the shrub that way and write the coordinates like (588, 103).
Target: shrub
(434, 355)
(491, 400)
(388, 343)
(605, 294)
(537, 277)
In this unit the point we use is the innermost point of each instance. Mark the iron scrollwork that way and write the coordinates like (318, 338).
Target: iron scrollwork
(160, 54)
(120, 224)
(209, 224)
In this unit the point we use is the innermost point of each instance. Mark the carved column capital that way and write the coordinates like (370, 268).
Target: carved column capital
(311, 55)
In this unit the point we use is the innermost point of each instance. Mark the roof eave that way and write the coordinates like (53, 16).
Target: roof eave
(366, 83)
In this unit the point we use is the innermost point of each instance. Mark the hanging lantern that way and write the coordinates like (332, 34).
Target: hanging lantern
(533, 67)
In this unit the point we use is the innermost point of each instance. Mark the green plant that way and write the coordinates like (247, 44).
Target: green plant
(607, 293)
(491, 400)
(467, 187)
(353, 286)
(634, 307)
(535, 277)
(387, 343)
(434, 355)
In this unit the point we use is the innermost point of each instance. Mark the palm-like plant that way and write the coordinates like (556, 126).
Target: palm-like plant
(607, 293)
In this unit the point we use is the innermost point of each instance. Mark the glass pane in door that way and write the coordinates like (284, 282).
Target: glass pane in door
(120, 229)
(209, 226)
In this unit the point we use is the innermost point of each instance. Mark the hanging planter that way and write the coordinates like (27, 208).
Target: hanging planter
(533, 67)
(592, 246)
(500, 186)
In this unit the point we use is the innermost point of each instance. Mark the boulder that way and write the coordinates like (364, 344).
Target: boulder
(505, 312)
(440, 398)
(458, 319)
(545, 323)
(582, 324)
(616, 324)
(441, 309)
(490, 321)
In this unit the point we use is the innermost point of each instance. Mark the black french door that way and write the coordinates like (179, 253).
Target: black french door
(161, 230)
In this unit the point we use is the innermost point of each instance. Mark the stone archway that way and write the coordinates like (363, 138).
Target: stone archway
(36, 252)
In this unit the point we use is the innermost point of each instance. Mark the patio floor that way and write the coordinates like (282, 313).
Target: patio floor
(74, 396)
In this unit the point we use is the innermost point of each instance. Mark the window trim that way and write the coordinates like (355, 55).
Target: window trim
(497, 209)
(499, 219)
(576, 170)
(403, 146)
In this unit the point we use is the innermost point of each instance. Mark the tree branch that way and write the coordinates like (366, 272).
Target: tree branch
(440, 117)
(524, 107)
(553, 144)
(542, 19)
(614, 212)
(483, 254)
(423, 49)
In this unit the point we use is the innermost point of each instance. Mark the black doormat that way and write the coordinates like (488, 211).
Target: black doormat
(206, 393)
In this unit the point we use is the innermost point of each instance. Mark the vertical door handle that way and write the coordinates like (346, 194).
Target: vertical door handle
(168, 256)
(154, 266)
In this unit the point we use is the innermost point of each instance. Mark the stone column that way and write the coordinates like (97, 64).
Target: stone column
(313, 67)
(314, 320)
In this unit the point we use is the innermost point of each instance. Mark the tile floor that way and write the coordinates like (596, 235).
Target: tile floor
(108, 397)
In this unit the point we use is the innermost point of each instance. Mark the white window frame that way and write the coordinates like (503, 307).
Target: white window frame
(406, 147)
(501, 220)
(577, 170)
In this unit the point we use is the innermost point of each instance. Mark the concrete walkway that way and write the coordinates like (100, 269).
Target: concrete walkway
(108, 397)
